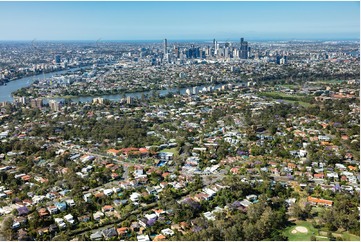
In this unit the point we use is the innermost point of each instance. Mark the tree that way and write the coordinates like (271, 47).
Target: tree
(344, 214)
(278, 235)
(232, 233)
(251, 231)
(330, 236)
(6, 228)
(300, 213)
(327, 219)
(61, 237)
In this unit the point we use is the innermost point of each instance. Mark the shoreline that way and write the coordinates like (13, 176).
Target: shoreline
(137, 91)
(41, 73)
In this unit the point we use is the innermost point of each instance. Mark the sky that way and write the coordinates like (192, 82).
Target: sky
(178, 20)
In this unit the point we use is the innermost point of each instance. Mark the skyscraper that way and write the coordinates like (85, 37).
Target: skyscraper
(165, 47)
(226, 52)
(281, 60)
(57, 59)
(176, 51)
(216, 50)
(243, 51)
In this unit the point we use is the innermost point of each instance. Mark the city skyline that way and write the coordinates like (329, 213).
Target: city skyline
(179, 20)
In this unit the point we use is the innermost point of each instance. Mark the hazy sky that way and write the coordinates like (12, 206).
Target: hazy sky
(178, 20)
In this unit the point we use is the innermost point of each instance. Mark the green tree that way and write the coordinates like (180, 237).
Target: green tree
(6, 228)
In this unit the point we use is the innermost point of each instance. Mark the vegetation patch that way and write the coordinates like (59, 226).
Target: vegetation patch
(301, 231)
(350, 237)
(172, 150)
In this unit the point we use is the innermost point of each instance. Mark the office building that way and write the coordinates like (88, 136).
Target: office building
(54, 105)
(167, 58)
(22, 100)
(165, 51)
(36, 103)
(216, 47)
(208, 51)
(129, 100)
(182, 75)
(3, 104)
(243, 51)
(226, 52)
(281, 60)
(57, 59)
(98, 100)
(176, 51)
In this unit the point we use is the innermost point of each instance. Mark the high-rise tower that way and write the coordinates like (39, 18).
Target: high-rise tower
(216, 47)
(165, 47)
(243, 51)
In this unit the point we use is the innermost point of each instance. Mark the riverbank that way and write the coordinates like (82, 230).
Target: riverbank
(45, 72)
(118, 97)
(136, 93)
(12, 86)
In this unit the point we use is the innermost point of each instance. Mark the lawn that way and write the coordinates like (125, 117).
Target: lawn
(301, 236)
(304, 104)
(289, 85)
(349, 237)
(286, 97)
(344, 235)
(329, 81)
(317, 211)
(172, 150)
(276, 94)
(312, 231)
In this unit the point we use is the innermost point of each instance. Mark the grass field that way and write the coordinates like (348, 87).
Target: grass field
(280, 95)
(329, 81)
(322, 236)
(301, 236)
(286, 97)
(344, 235)
(347, 236)
(317, 210)
(172, 150)
(289, 85)
(304, 104)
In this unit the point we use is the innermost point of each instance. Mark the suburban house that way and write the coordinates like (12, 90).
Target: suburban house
(113, 152)
(109, 233)
(98, 215)
(52, 209)
(107, 208)
(318, 201)
(61, 206)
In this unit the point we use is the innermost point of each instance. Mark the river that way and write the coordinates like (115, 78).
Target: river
(5, 91)
(12, 86)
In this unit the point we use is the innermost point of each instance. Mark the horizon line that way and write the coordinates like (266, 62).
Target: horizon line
(190, 39)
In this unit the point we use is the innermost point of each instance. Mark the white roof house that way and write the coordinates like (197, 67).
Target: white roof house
(143, 237)
(69, 218)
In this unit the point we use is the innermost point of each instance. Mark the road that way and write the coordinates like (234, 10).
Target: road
(100, 227)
